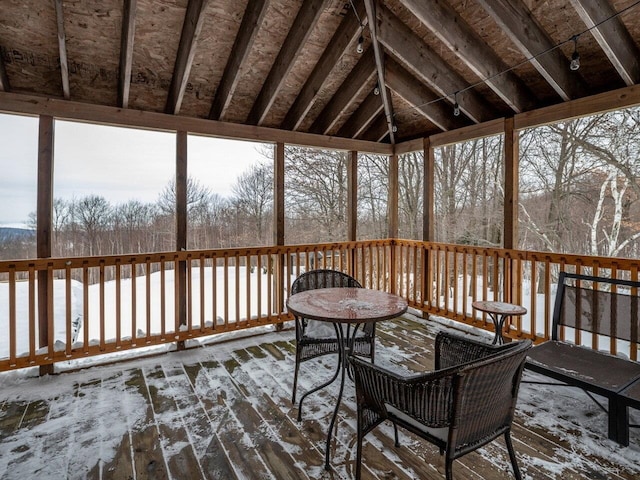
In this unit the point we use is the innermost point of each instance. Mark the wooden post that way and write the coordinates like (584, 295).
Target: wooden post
(392, 207)
(428, 216)
(352, 205)
(44, 224)
(278, 227)
(511, 199)
(181, 231)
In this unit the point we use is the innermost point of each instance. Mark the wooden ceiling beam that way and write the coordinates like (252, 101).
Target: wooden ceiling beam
(350, 89)
(370, 107)
(429, 67)
(348, 31)
(126, 51)
(430, 105)
(251, 21)
(100, 114)
(62, 49)
(303, 24)
(379, 56)
(612, 36)
(460, 38)
(191, 28)
(516, 21)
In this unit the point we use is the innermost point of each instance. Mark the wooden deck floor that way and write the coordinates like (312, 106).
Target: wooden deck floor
(224, 412)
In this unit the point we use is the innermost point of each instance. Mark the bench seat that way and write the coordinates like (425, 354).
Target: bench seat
(605, 308)
(596, 371)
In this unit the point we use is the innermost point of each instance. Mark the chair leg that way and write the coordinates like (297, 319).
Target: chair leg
(449, 468)
(512, 455)
(295, 381)
(359, 456)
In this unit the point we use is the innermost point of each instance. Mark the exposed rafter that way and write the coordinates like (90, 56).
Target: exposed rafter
(612, 36)
(303, 24)
(460, 38)
(362, 117)
(379, 56)
(347, 32)
(62, 49)
(126, 51)
(190, 31)
(515, 19)
(253, 16)
(350, 89)
(429, 67)
(424, 100)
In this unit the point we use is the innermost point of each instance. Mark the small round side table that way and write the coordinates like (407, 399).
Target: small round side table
(498, 312)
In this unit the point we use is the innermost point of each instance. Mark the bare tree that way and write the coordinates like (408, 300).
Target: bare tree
(253, 199)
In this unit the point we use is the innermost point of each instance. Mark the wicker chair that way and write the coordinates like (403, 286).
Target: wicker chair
(465, 403)
(309, 346)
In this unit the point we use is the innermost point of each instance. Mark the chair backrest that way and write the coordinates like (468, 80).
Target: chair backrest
(484, 398)
(599, 305)
(322, 278)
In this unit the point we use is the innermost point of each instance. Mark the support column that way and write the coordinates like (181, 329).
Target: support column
(352, 207)
(428, 217)
(181, 231)
(392, 206)
(278, 228)
(512, 292)
(44, 225)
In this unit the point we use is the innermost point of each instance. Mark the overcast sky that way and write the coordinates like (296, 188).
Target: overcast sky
(118, 163)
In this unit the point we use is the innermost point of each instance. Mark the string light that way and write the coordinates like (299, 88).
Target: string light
(376, 90)
(360, 47)
(575, 57)
(456, 107)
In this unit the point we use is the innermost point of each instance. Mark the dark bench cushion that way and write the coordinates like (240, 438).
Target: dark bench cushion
(581, 366)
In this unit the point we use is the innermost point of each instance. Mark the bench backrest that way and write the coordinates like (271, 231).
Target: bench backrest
(599, 305)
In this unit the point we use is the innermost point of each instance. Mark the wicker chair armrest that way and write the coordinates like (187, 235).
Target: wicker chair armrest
(455, 350)
(426, 397)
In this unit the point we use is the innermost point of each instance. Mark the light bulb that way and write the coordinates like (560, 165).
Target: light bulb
(575, 61)
(360, 47)
(376, 90)
(456, 110)
(394, 129)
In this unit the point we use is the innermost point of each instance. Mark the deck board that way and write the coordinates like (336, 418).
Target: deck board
(224, 412)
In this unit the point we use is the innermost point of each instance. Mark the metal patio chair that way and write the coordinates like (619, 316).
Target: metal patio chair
(311, 345)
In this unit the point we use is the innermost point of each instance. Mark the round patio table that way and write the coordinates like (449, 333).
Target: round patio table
(344, 306)
(498, 312)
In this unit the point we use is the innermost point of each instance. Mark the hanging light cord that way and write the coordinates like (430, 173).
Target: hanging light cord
(523, 62)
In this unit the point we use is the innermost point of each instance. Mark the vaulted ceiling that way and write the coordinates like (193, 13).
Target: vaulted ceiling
(295, 65)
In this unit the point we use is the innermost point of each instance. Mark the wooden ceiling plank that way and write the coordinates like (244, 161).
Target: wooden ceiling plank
(126, 51)
(379, 56)
(303, 24)
(460, 38)
(429, 67)
(362, 117)
(348, 31)
(191, 29)
(515, 19)
(612, 36)
(377, 131)
(350, 89)
(251, 21)
(430, 105)
(62, 48)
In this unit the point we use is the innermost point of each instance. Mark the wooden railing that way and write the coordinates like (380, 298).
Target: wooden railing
(100, 305)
